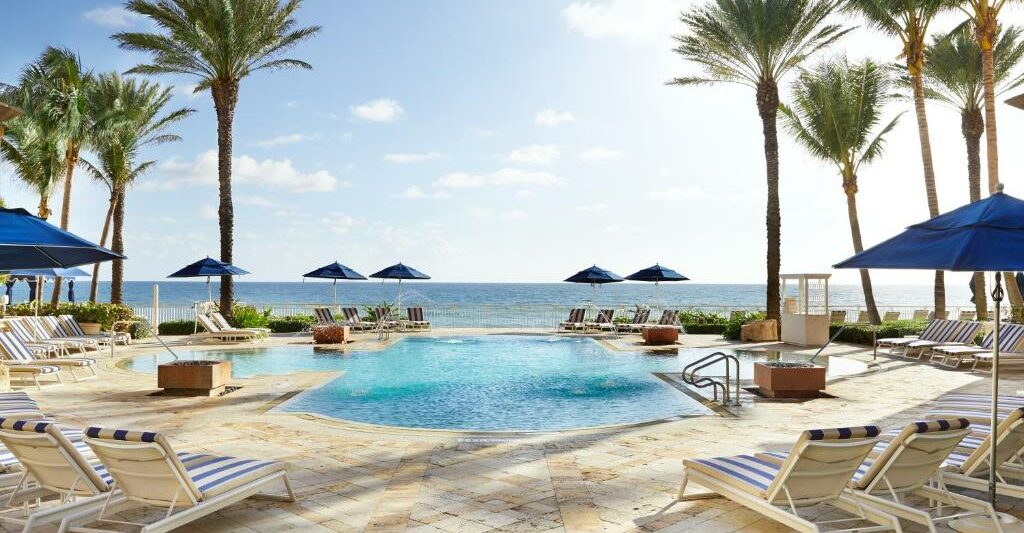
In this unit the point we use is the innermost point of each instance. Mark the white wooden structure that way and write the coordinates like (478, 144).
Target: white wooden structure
(805, 312)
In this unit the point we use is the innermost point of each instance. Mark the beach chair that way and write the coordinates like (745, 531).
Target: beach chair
(384, 319)
(215, 332)
(962, 333)
(941, 316)
(603, 321)
(144, 470)
(324, 316)
(837, 317)
(223, 324)
(967, 315)
(669, 317)
(816, 471)
(908, 465)
(576, 320)
(640, 317)
(39, 349)
(954, 355)
(891, 316)
(937, 330)
(51, 325)
(920, 314)
(73, 329)
(30, 327)
(736, 315)
(416, 319)
(18, 355)
(353, 320)
(863, 317)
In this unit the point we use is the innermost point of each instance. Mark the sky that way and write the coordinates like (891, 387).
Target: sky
(495, 141)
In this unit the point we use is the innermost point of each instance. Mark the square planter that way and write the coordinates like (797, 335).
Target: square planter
(789, 380)
(193, 378)
(331, 334)
(91, 328)
(660, 335)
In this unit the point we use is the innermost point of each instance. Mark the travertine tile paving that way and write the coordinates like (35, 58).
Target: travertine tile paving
(352, 477)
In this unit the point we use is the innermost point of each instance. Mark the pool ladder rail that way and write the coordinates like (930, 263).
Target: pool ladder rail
(690, 377)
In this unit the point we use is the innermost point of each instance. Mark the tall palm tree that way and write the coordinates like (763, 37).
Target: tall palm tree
(37, 157)
(59, 84)
(219, 42)
(129, 116)
(954, 76)
(909, 20)
(837, 108)
(756, 43)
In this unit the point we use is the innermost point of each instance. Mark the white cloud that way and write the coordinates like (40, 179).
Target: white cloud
(536, 154)
(379, 110)
(487, 212)
(525, 193)
(411, 157)
(677, 194)
(112, 17)
(503, 177)
(282, 140)
(207, 212)
(414, 192)
(600, 154)
(649, 20)
(600, 206)
(551, 118)
(188, 90)
(246, 170)
(338, 222)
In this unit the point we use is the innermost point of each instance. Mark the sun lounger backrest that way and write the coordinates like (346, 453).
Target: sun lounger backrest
(13, 348)
(967, 315)
(964, 332)
(920, 314)
(52, 460)
(58, 327)
(837, 316)
(913, 457)
(51, 325)
(16, 405)
(415, 314)
(219, 319)
(351, 314)
(820, 465)
(576, 316)
(863, 317)
(383, 313)
(71, 325)
(936, 330)
(1010, 336)
(35, 325)
(323, 315)
(144, 465)
(207, 324)
(605, 316)
(891, 316)
(20, 329)
(1010, 438)
(643, 316)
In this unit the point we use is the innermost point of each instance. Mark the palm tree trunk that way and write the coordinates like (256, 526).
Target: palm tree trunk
(225, 97)
(44, 207)
(117, 245)
(850, 188)
(768, 108)
(95, 285)
(972, 125)
(71, 159)
(929, 173)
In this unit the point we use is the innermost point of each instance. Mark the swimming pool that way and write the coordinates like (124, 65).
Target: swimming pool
(487, 382)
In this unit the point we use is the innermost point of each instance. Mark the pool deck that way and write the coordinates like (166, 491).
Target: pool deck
(355, 477)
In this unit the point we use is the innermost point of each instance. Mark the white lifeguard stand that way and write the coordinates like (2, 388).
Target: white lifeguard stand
(805, 312)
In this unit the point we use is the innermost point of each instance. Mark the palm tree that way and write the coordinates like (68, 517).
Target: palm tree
(953, 75)
(37, 157)
(219, 42)
(59, 84)
(837, 108)
(909, 21)
(756, 43)
(128, 118)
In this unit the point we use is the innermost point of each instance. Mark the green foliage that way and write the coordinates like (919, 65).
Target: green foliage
(141, 329)
(290, 324)
(102, 313)
(371, 311)
(247, 316)
(865, 334)
(177, 327)
(705, 329)
(700, 318)
(732, 326)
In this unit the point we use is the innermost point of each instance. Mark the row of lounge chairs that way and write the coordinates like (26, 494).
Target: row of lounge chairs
(868, 473)
(839, 317)
(41, 346)
(415, 319)
(216, 327)
(577, 322)
(82, 478)
(951, 343)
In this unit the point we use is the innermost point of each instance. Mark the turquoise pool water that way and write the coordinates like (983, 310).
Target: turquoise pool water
(489, 382)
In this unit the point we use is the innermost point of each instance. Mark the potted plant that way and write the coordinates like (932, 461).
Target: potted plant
(193, 378)
(90, 317)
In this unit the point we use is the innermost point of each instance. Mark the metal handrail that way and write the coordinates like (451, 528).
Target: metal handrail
(690, 377)
(830, 340)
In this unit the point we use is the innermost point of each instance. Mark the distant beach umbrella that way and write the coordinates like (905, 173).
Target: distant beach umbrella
(71, 290)
(28, 241)
(10, 289)
(26, 273)
(399, 272)
(657, 274)
(984, 236)
(595, 276)
(334, 271)
(207, 268)
(32, 292)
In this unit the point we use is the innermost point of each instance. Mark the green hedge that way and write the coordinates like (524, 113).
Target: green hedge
(865, 334)
(177, 327)
(290, 324)
(704, 329)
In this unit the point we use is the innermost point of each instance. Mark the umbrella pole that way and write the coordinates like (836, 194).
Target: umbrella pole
(997, 297)
(335, 292)
(209, 290)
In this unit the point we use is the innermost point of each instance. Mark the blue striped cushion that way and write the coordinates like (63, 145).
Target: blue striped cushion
(855, 432)
(95, 432)
(747, 469)
(213, 473)
(185, 457)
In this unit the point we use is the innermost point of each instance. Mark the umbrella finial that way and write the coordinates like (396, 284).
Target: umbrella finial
(999, 187)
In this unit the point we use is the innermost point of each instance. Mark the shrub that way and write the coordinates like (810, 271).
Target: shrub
(704, 329)
(701, 317)
(177, 327)
(371, 311)
(732, 326)
(141, 329)
(865, 334)
(247, 316)
(104, 314)
(290, 324)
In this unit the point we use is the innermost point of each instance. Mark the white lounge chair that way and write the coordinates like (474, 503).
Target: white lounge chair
(353, 321)
(909, 465)
(144, 470)
(639, 319)
(416, 318)
(17, 355)
(51, 325)
(891, 316)
(935, 333)
(223, 324)
(74, 329)
(576, 320)
(603, 321)
(214, 332)
(30, 328)
(816, 471)
(954, 355)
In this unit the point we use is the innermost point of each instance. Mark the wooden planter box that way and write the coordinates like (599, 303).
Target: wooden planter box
(91, 328)
(660, 335)
(193, 378)
(789, 381)
(331, 334)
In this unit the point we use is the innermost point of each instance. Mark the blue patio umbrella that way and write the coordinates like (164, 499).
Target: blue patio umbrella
(334, 271)
(595, 276)
(657, 274)
(985, 236)
(27, 241)
(399, 272)
(49, 273)
(208, 268)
